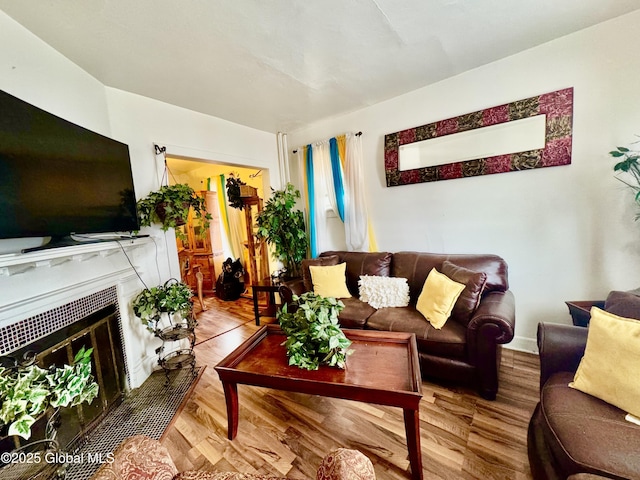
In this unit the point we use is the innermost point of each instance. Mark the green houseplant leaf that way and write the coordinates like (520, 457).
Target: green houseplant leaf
(170, 207)
(26, 392)
(172, 297)
(628, 170)
(282, 227)
(313, 334)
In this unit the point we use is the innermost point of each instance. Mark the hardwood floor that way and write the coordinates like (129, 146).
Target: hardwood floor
(287, 434)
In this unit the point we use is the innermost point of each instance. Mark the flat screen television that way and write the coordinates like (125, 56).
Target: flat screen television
(60, 180)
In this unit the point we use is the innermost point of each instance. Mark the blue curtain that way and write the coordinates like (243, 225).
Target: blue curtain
(336, 170)
(313, 240)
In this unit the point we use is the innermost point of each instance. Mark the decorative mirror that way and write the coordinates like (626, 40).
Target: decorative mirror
(522, 135)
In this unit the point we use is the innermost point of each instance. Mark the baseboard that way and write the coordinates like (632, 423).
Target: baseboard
(523, 344)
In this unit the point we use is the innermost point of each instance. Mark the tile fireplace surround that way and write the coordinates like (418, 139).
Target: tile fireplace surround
(41, 292)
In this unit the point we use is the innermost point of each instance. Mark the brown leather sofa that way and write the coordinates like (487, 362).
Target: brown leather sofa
(572, 434)
(467, 349)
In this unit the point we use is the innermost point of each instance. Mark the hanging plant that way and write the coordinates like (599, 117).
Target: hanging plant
(233, 192)
(170, 207)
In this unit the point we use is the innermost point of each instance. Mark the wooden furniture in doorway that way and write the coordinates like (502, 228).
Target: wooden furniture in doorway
(258, 261)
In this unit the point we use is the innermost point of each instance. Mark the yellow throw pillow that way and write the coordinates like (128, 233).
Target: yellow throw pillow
(609, 369)
(438, 296)
(330, 281)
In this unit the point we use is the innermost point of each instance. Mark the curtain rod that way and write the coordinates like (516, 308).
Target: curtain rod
(357, 135)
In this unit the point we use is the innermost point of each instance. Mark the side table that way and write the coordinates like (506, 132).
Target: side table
(580, 310)
(270, 287)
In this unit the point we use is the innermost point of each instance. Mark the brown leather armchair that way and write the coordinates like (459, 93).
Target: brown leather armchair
(572, 434)
(467, 349)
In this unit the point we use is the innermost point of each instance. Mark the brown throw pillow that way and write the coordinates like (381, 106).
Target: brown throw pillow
(327, 261)
(469, 299)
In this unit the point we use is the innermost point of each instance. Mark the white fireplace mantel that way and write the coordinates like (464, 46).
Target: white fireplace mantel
(17, 263)
(34, 283)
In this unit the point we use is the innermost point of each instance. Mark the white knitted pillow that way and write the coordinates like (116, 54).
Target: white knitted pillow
(382, 292)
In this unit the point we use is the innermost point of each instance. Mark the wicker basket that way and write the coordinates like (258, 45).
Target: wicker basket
(248, 191)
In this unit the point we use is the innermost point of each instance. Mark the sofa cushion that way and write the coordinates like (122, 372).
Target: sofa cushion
(609, 368)
(586, 434)
(449, 342)
(415, 266)
(355, 313)
(438, 296)
(470, 297)
(330, 281)
(363, 263)
(382, 292)
(320, 262)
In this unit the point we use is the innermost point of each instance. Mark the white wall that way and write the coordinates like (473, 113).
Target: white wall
(142, 122)
(33, 71)
(567, 233)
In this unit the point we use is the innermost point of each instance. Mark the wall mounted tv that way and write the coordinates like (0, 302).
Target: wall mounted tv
(60, 180)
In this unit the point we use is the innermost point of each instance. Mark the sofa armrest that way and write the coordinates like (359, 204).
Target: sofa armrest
(290, 288)
(561, 348)
(140, 458)
(495, 316)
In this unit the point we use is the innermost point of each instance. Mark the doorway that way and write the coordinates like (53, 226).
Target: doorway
(227, 237)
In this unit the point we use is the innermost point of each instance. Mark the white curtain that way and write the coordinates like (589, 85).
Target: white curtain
(324, 192)
(356, 221)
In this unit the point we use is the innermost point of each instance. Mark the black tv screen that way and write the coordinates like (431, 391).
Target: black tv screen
(58, 179)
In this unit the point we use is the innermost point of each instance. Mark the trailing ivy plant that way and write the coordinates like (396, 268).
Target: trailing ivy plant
(282, 226)
(172, 297)
(313, 334)
(170, 207)
(27, 391)
(628, 164)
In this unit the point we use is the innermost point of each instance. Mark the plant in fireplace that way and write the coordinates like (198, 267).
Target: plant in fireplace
(313, 334)
(28, 391)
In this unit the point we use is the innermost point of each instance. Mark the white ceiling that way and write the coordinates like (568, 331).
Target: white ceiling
(277, 65)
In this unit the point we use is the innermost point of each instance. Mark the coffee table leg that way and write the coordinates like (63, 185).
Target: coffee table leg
(231, 398)
(412, 429)
(256, 310)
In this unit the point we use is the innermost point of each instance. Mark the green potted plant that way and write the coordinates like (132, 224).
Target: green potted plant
(313, 334)
(282, 227)
(26, 392)
(171, 298)
(170, 206)
(628, 164)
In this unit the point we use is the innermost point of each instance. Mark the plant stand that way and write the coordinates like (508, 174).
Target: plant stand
(180, 358)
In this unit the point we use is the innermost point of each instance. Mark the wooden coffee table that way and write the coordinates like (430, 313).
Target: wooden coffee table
(383, 369)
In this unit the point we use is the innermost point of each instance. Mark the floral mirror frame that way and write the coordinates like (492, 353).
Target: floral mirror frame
(556, 106)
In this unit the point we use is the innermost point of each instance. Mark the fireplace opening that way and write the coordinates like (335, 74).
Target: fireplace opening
(100, 331)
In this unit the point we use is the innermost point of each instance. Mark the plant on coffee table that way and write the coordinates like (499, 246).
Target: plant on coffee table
(313, 334)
